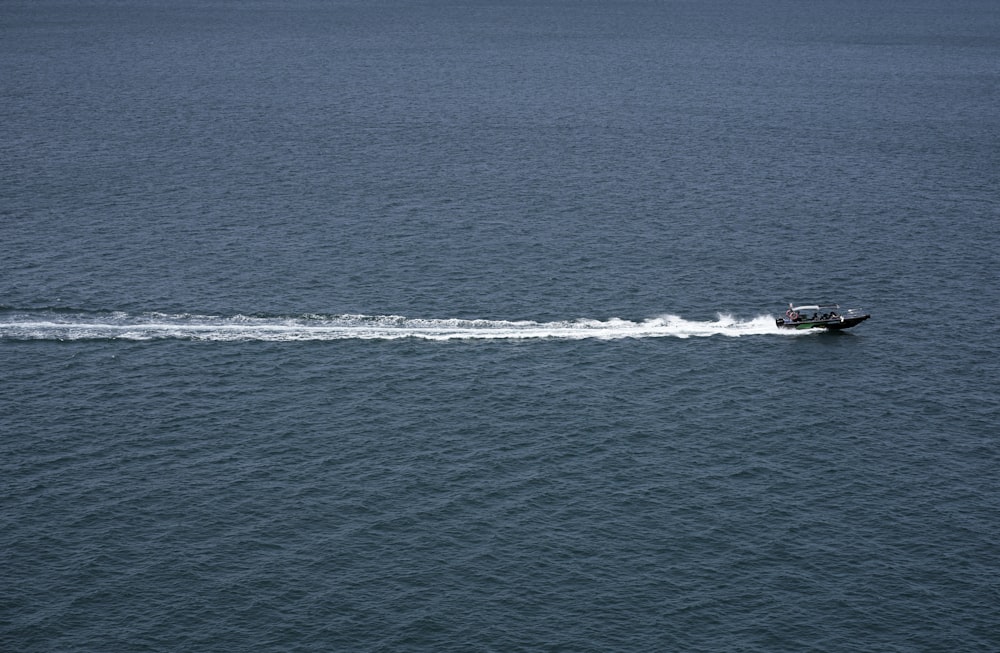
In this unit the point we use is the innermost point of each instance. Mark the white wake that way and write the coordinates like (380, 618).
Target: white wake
(159, 326)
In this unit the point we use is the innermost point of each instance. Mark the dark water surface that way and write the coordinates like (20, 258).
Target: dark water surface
(448, 326)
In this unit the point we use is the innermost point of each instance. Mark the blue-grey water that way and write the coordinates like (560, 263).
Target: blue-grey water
(444, 325)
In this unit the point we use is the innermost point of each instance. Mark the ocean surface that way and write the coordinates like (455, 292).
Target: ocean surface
(448, 325)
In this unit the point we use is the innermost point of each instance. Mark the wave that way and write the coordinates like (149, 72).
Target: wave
(70, 325)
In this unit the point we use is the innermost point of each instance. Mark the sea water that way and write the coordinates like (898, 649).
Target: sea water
(449, 326)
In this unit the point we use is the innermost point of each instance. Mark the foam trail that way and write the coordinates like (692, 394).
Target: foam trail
(68, 326)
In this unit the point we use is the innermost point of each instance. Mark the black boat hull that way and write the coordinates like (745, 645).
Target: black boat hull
(836, 324)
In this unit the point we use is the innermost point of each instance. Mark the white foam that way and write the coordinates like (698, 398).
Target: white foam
(156, 326)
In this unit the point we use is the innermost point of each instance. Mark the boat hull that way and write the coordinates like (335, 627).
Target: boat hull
(835, 324)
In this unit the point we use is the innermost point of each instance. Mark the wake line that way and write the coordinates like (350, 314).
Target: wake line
(62, 326)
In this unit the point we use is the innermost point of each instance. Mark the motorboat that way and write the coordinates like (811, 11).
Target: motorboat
(821, 316)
